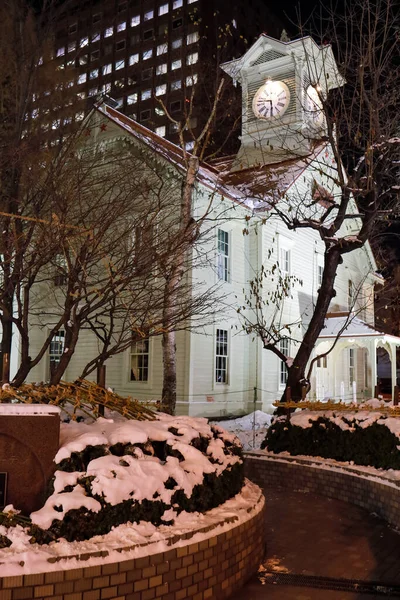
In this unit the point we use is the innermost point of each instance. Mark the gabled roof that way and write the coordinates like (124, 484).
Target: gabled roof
(352, 327)
(242, 186)
(320, 59)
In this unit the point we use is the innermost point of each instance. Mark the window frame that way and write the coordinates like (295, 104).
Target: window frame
(284, 347)
(221, 358)
(223, 258)
(140, 382)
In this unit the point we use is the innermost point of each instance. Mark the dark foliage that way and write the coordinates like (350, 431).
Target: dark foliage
(374, 445)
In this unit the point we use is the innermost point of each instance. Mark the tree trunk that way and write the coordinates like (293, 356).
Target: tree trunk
(186, 238)
(6, 339)
(296, 373)
(169, 379)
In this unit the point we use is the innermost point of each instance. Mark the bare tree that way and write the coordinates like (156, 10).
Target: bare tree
(362, 125)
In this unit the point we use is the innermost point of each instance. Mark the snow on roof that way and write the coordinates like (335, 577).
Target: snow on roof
(355, 328)
(247, 186)
(28, 410)
(207, 175)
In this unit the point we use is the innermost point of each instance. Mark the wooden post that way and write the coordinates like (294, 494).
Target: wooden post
(376, 391)
(6, 368)
(396, 395)
(101, 381)
(288, 398)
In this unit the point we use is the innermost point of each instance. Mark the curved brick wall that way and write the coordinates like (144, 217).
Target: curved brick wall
(212, 568)
(350, 484)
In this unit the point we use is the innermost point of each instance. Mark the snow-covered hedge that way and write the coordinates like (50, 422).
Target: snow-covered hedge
(364, 437)
(109, 473)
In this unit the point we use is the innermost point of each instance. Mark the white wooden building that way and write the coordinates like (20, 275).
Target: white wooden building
(222, 370)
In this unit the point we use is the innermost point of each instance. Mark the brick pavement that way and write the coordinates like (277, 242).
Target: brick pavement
(314, 535)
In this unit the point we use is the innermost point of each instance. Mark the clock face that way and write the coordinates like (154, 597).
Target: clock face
(313, 106)
(271, 100)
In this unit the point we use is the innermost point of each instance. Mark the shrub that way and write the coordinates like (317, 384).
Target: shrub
(150, 471)
(361, 438)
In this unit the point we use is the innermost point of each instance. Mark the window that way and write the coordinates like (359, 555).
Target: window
(108, 32)
(177, 4)
(93, 74)
(163, 9)
(350, 295)
(191, 38)
(192, 59)
(133, 59)
(56, 350)
(61, 51)
(71, 46)
(148, 15)
(82, 78)
(176, 64)
(121, 26)
(92, 91)
(189, 146)
(107, 69)
(191, 1)
(161, 89)
(108, 50)
(147, 54)
(320, 270)
(223, 255)
(177, 23)
(161, 130)
(135, 39)
(83, 59)
(84, 42)
(322, 362)
(191, 80)
(221, 356)
(72, 28)
(135, 21)
(147, 74)
(95, 37)
(145, 115)
(162, 49)
(352, 366)
(161, 69)
(173, 127)
(159, 111)
(120, 45)
(79, 116)
(175, 106)
(145, 95)
(140, 360)
(284, 262)
(123, 6)
(176, 44)
(176, 85)
(120, 64)
(61, 270)
(284, 348)
(132, 98)
(147, 35)
(96, 18)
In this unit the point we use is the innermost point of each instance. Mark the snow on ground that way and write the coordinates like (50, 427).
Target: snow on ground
(250, 429)
(126, 541)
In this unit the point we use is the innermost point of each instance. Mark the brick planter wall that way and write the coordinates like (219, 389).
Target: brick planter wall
(210, 569)
(350, 484)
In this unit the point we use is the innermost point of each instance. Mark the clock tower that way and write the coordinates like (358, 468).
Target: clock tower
(283, 88)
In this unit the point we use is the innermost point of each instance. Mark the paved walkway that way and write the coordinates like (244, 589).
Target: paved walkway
(315, 536)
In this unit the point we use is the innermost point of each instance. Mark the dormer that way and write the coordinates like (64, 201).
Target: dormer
(282, 87)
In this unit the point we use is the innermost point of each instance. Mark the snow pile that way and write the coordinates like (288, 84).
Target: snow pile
(347, 420)
(130, 470)
(250, 429)
(127, 541)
